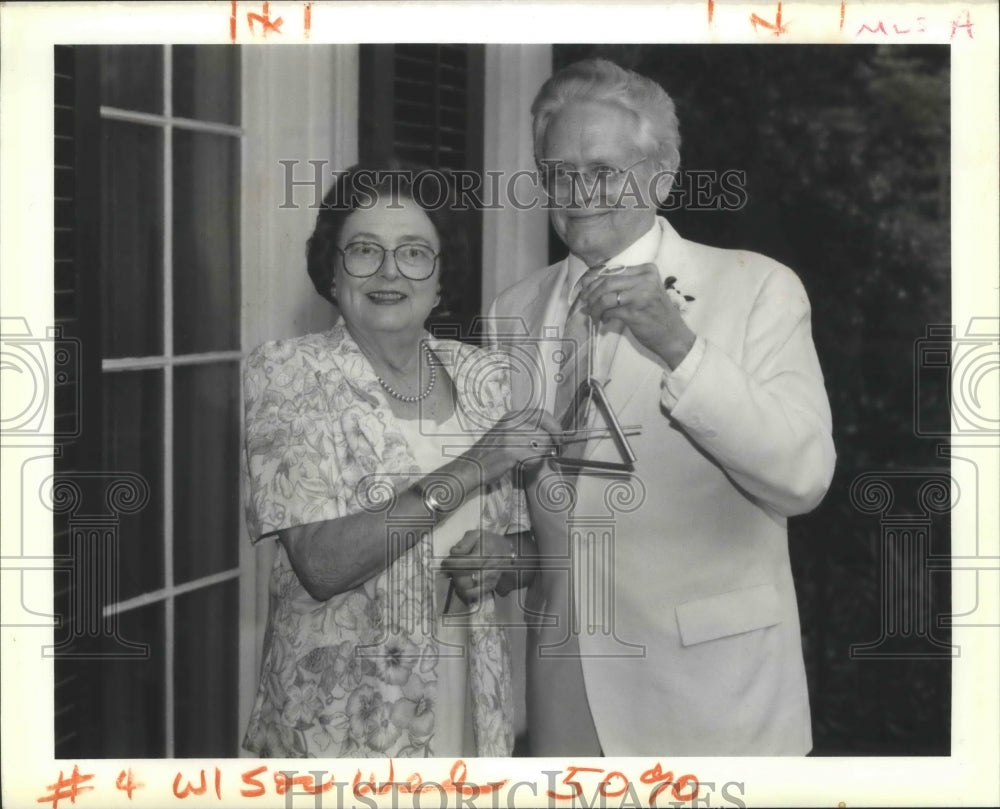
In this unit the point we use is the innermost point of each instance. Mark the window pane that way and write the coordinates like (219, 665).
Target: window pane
(131, 239)
(132, 77)
(206, 469)
(206, 243)
(133, 442)
(132, 692)
(206, 671)
(103, 669)
(207, 82)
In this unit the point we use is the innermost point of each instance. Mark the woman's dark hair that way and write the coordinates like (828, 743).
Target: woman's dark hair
(360, 187)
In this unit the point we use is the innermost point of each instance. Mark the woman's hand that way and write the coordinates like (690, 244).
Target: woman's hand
(477, 562)
(519, 437)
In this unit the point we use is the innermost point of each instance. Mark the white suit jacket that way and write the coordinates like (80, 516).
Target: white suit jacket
(697, 649)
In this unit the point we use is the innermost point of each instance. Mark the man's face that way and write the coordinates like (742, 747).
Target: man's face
(597, 225)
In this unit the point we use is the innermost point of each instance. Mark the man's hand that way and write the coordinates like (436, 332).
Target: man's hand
(635, 296)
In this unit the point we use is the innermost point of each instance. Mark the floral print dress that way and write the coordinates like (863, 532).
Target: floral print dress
(356, 675)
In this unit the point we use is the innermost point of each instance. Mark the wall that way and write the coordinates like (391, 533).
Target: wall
(299, 104)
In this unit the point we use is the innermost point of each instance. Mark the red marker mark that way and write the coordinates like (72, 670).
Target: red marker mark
(603, 786)
(843, 10)
(307, 16)
(711, 11)
(190, 788)
(656, 775)
(264, 18)
(202, 787)
(284, 783)
(878, 29)
(967, 25)
(127, 784)
(232, 21)
(897, 28)
(250, 779)
(456, 782)
(66, 788)
(615, 783)
(568, 781)
(776, 26)
(920, 27)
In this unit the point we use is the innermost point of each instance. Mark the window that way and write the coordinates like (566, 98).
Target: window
(155, 673)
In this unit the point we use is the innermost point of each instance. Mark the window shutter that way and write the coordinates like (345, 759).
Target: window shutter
(424, 103)
(76, 382)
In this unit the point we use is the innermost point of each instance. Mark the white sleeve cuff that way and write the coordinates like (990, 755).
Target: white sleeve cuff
(675, 382)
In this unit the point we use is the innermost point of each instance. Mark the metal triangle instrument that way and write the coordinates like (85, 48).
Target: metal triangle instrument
(574, 420)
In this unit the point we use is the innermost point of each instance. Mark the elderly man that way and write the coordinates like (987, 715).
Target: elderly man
(710, 353)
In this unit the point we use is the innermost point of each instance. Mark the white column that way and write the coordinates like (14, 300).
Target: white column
(299, 104)
(515, 242)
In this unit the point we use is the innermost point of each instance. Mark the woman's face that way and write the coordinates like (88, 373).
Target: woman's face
(387, 301)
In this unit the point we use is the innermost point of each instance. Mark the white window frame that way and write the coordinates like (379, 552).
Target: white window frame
(166, 361)
(315, 120)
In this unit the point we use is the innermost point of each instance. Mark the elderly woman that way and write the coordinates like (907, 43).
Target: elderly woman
(380, 460)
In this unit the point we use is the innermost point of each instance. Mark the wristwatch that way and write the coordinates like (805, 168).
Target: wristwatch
(433, 502)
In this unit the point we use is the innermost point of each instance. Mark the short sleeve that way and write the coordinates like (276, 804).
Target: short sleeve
(291, 470)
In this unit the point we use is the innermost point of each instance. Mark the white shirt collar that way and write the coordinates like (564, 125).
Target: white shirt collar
(642, 251)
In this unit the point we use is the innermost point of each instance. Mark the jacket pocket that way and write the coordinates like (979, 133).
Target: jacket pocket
(729, 613)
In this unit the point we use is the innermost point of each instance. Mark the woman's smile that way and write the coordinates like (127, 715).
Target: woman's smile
(386, 297)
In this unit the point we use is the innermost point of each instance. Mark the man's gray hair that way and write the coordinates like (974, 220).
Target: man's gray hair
(658, 133)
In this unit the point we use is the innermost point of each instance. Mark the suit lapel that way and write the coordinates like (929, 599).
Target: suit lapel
(537, 309)
(528, 320)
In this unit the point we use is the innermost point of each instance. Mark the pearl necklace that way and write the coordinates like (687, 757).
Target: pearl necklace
(420, 396)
